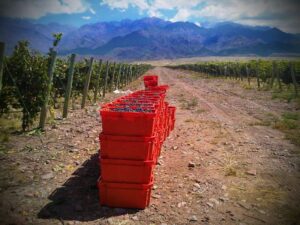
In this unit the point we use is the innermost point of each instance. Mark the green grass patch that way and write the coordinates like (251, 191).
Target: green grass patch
(289, 123)
(287, 94)
(269, 120)
(291, 116)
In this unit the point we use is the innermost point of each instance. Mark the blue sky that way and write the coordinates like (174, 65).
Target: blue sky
(282, 14)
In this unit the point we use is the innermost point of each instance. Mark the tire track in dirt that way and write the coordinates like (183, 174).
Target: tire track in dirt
(228, 112)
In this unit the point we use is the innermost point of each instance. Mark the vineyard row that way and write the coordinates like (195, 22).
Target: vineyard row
(266, 72)
(32, 82)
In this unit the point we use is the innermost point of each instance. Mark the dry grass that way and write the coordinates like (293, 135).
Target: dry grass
(230, 166)
(247, 86)
(198, 111)
(261, 192)
(189, 120)
(8, 125)
(189, 104)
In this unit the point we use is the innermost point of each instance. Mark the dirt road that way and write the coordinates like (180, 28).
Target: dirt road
(219, 165)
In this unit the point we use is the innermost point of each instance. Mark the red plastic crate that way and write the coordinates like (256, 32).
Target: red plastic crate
(160, 143)
(122, 195)
(169, 125)
(127, 147)
(150, 81)
(126, 171)
(154, 91)
(161, 88)
(172, 110)
(157, 149)
(128, 123)
(151, 77)
(172, 124)
(125, 108)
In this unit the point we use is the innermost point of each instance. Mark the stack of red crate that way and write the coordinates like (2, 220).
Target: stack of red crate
(150, 81)
(133, 130)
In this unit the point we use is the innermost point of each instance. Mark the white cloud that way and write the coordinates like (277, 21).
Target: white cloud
(182, 15)
(86, 17)
(282, 14)
(124, 4)
(92, 11)
(35, 9)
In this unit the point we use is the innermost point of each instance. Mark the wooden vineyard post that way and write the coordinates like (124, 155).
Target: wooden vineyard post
(127, 75)
(257, 76)
(87, 83)
(278, 77)
(124, 75)
(2, 49)
(231, 75)
(50, 72)
(233, 72)
(133, 73)
(137, 71)
(111, 86)
(105, 79)
(248, 75)
(130, 74)
(272, 74)
(118, 76)
(292, 69)
(229, 72)
(134, 69)
(206, 71)
(241, 75)
(69, 85)
(98, 81)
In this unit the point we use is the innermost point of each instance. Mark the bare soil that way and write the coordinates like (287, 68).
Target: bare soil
(219, 165)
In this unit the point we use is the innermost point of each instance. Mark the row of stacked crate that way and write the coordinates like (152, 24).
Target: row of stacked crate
(133, 130)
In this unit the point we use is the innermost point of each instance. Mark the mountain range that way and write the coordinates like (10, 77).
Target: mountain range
(152, 38)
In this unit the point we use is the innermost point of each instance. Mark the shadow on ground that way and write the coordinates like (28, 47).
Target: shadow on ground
(77, 199)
